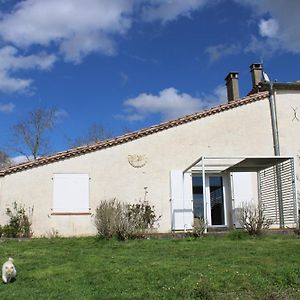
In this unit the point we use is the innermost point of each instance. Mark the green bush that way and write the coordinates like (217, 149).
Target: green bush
(19, 224)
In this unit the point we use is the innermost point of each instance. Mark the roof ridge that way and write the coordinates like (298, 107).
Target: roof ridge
(73, 152)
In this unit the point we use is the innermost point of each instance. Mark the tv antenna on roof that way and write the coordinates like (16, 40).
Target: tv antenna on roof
(264, 75)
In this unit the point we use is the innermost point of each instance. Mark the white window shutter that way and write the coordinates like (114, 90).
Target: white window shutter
(244, 185)
(188, 201)
(71, 193)
(177, 200)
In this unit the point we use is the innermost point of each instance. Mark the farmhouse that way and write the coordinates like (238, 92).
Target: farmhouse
(206, 164)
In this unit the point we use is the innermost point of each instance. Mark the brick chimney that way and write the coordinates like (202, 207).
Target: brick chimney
(232, 84)
(256, 74)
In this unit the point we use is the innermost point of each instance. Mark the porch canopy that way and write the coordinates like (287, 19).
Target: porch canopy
(235, 164)
(275, 177)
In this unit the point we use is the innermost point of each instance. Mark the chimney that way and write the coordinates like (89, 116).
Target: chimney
(256, 74)
(232, 84)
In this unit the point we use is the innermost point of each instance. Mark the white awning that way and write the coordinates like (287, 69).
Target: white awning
(235, 164)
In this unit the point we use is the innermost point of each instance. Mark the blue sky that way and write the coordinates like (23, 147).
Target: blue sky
(134, 63)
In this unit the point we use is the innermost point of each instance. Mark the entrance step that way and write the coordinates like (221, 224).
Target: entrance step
(217, 229)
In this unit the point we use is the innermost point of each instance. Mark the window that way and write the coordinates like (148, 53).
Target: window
(198, 205)
(70, 193)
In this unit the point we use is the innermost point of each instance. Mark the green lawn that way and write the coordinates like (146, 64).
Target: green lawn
(215, 267)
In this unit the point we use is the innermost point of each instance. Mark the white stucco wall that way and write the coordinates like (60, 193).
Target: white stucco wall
(244, 130)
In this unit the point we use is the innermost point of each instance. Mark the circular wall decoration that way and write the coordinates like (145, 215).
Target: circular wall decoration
(137, 160)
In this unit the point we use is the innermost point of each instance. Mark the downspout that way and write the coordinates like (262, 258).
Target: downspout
(276, 147)
(274, 120)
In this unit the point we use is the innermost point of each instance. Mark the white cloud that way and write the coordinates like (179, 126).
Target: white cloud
(169, 10)
(280, 32)
(9, 84)
(72, 29)
(77, 27)
(11, 61)
(7, 107)
(268, 28)
(218, 51)
(169, 104)
(60, 114)
(265, 47)
(220, 94)
(76, 48)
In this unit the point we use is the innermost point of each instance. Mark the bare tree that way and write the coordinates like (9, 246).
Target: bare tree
(95, 134)
(4, 160)
(30, 136)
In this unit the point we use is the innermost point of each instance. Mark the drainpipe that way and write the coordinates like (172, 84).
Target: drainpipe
(276, 150)
(274, 120)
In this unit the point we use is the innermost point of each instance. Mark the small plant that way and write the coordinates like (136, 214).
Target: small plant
(19, 224)
(199, 227)
(297, 229)
(52, 234)
(253, 220)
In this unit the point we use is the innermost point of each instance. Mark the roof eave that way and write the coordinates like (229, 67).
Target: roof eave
(131, 136)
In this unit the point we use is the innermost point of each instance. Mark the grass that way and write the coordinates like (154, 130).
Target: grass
(207, 268)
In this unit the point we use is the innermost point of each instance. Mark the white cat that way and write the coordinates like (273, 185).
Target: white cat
(8, 271)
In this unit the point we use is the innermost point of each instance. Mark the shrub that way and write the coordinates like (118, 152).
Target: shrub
(199, 227)
(252, 219)
(123, 221)
(204, 289)
(125, 226)
(106, 216)
(142, 216)
(19, 224)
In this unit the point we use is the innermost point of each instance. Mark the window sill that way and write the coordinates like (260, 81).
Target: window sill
(70, 213)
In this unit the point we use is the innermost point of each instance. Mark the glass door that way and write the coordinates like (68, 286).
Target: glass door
(215, 210)
(198, 204)
(216, 197)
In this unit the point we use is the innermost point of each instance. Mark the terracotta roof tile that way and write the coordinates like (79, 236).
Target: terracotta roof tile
(132, 136)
